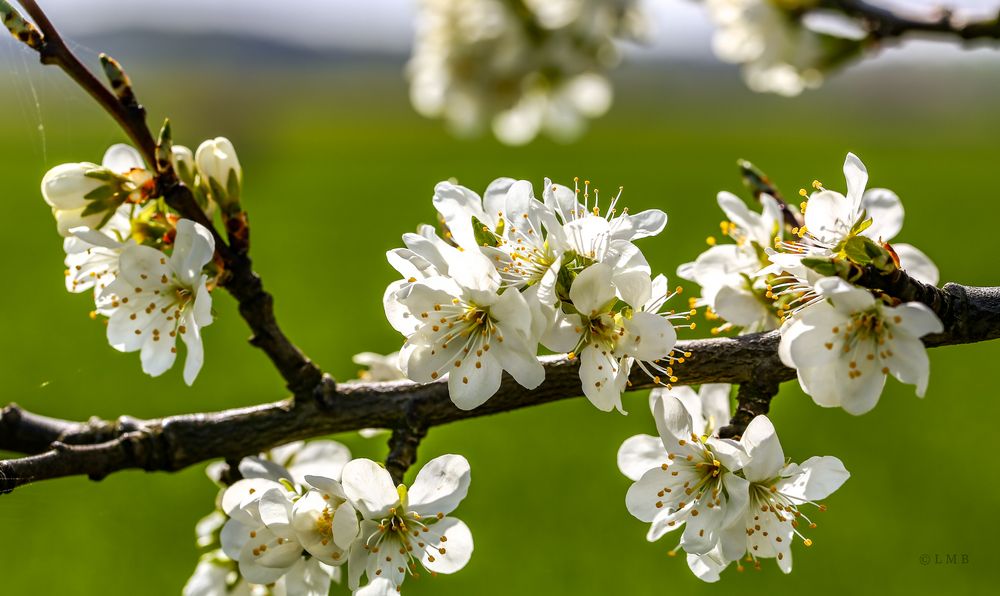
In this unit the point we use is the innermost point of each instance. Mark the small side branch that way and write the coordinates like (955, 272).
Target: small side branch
(256, 306)
(403, 446)
(885, 23)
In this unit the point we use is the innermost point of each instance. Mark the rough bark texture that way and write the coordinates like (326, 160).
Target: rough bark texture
(97, 448)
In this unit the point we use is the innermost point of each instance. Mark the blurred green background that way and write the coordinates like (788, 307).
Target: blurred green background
(338, 167)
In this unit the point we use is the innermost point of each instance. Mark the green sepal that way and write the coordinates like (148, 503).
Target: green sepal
(483, 235)
(101, 174)
(233, 187)
(101, 193)
(820, 265)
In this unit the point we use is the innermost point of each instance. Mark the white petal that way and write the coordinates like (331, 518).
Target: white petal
(829, 216)
(378, 587)
(818, 478)
(915, 318)
(440, 485)
(917, 264)
(908, 361)
(369, 486)
(886, 211)
(857, 178)
(648, 337)
(121, 159)
(762, 445)
(639, 454)
(474, 380)
(195, 350)
(708, 566)
(599, 376)
(319, 458)
(716, 404)
(193, 249)
(449, 546)
(592, 289)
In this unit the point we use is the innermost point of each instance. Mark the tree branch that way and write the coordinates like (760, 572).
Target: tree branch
(256, 305)
(97, 448)
(884, 23)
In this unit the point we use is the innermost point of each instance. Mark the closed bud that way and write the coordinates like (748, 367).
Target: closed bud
(72, 188)
(184, 165)
(19, 27)
(221, 172)
(120, 82)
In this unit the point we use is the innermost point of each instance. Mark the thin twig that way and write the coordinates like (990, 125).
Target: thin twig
(885, 23)
(256, 306)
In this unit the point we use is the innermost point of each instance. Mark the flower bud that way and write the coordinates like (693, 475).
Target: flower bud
(184, 165)
(65, 187)
(19, 27)
(221, 172)
(83, 194)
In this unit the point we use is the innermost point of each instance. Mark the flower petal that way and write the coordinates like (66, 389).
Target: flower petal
(440, 485)
(449, 546)
(369, 486)
(640, 453)
(761, 443)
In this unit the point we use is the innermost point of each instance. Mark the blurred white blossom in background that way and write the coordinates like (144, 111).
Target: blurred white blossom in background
(520, 67)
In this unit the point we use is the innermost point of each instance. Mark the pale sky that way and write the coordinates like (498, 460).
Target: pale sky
(379, 25)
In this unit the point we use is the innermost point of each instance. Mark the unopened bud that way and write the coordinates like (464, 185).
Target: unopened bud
(164, 148)
(78, 193)
(220, 170)
(120, 83)
(19, 27)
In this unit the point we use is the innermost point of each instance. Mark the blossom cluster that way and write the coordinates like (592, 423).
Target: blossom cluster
(302, 511)
(151, 272)
(733, 499)
(512, 273)
(842, 340)
(785, 46)
(518, 67)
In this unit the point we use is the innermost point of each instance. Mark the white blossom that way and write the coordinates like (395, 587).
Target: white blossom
(838, 227)
(470, 332)
(844, 346)
(259, 533)
(771, 517)
(692, 482)
(285, 468)
(779, 52)
(216, 575)
(832, 219)
(608, 341)
(158, 298)
(325, 522)
(519, 70)
(92, 258)
(379, 368)
(709, 409)
(729, 273)
(402, 527)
